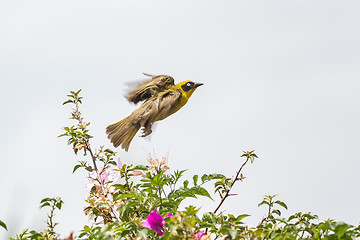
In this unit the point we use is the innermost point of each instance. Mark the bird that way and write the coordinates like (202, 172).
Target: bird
(161, 98)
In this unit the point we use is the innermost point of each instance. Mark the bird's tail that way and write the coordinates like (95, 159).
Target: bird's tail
(121, 133)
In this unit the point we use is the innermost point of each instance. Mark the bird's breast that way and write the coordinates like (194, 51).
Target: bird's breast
(166, 112)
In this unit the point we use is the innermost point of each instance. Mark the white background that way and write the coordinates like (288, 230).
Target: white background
(280, 77)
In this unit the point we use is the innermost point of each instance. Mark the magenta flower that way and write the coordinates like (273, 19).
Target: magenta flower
(199, 235)
(155, 222)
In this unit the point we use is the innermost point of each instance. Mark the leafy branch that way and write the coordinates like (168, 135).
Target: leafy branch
(80, 140)
(223, 187)
(270, 202)
(53, 203)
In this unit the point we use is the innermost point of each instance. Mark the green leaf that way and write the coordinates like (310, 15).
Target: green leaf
(204, 177)
(216, 176)
(341, 228)
(122, 187)
(186, 183)
(62, 135)
(45, 200)
(87, 228)
(200, 191)
(292, 217)
(195, 178)
(44, 205)
(122, 196)
(89, 169)
(281, 203)
(209, 217)
(263, 203)
(3, 225)
(68, 101)
(59, 204)
(276, 211)
(82, 234)
(77, 93)
(76, 167)
(240, 217)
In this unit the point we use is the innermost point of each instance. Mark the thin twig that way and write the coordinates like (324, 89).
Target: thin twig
(93, 158)
(267, 217)
(232, 184)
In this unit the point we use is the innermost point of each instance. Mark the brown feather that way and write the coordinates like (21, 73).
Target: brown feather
(150, 88)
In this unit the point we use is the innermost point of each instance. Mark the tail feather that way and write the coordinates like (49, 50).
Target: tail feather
(122, 133)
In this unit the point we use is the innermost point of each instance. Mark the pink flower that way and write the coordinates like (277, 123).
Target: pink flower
(105, 176)
(108, 175)
(155, 222)
(119, 163)
(199, 235)
(137, 173)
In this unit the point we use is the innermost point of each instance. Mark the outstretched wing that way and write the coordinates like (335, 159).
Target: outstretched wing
(150, 88)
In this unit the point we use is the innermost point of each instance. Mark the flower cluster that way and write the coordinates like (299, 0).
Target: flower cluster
(100, 184)
(157, 166)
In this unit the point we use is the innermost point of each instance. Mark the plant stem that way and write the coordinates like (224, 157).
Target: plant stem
(98, 176)
(232, 184)
(50, 223)
(93, 158)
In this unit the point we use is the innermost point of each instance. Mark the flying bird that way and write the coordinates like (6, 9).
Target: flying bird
(160, 97)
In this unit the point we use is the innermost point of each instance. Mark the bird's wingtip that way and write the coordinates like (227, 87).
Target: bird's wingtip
(149, 75)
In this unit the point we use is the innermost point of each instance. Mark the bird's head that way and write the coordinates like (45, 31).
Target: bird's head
(188, 87)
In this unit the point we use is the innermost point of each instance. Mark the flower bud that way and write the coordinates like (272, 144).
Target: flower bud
(163, 161)
(165, 168)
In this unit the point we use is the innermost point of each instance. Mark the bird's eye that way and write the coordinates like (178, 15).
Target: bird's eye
(187, 86)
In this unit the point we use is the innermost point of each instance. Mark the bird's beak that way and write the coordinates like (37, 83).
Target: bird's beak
(197, 85)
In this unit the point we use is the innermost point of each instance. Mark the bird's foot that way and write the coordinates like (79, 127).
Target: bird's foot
(146, 132)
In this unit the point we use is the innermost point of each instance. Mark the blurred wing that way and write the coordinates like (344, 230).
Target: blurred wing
(169, 103)
(150, 88)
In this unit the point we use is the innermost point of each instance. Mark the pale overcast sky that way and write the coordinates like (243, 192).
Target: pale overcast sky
(280, 77)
